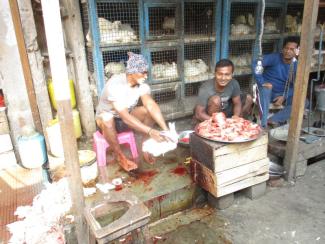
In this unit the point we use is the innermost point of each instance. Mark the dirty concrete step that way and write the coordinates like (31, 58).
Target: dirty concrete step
(165, 187)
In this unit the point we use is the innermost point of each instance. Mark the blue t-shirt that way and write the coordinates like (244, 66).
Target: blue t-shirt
(276, 72)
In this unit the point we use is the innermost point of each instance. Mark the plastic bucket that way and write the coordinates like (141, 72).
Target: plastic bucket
(320, 97)
(32, 151)
(54, 133)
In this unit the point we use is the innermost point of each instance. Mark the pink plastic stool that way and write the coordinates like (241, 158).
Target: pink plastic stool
(100, 145)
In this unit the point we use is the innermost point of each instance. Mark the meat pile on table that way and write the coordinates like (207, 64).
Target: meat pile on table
(220, 128)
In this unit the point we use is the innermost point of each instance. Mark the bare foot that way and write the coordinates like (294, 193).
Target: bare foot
(126, 164)
(149, 158)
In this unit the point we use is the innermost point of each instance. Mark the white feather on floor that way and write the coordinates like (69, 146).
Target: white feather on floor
(41, 222)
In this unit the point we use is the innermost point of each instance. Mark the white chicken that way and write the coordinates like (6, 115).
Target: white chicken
(242, 63)
(112, 68)
(195, 70)
(240, 19)
(114, 32)
(164, 71)
(241, 60)
(291, 23)
(270, 25)
(169, 24)
(241, 29)
(243, 25)
(159, 148)
(40, 223)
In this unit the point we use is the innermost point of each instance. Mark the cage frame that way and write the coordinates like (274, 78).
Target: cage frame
(226, 10)
(163, 3)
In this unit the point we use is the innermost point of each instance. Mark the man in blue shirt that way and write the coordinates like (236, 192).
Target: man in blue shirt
(276, 83)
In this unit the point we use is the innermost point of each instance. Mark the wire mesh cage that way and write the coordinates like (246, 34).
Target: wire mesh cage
(84, 17)
(192, 89)
(317, 55)
(167, 96)
(240, 53)
(245, 82)
(199, 62)
(243, 18)
(90, 61)
(199, 19)
(118, 23)
(164, 66)
(270, 46)
(273, 23)
(293, 18)
(161, 21)
(115, 61)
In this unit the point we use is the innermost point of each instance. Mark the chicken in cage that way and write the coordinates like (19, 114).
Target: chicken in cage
(112, 68)
(242, 63)
(114, 32)
(198, 18)
(270, 25)
(162, 71)
(169, 24)
(196, 70)
(293, 23)
(243, 25)
(314, 58)
(162, 21)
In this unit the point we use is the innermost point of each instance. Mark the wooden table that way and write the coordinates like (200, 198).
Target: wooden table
(305, 151)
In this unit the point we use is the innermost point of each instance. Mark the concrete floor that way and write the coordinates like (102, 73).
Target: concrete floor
(285, 214)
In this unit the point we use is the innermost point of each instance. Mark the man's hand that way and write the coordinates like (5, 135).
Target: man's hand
(278, 101)
(155, 134)
(267, 85)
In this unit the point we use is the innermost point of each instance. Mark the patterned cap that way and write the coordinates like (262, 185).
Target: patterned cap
(136, 63)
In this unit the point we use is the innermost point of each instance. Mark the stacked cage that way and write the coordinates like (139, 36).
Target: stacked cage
(273, 26)
(293, 18)
(164, 77)
(273, 19)
(319, 42)
(200, 30)
(180, 39)
(240, 23)
(161, 20)
(118, 23)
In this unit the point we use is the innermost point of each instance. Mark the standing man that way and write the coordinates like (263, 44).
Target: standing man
(222, 94)
(117, 110)
(276, 83)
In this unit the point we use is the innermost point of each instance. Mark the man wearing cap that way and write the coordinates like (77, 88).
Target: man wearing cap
(117, 110)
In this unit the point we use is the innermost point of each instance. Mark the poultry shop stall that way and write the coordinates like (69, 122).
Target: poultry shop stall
(180, 39)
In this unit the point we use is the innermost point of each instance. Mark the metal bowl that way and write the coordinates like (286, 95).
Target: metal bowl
(184, 137)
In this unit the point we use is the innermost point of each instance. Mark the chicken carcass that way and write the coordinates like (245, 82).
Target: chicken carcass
(159, 148)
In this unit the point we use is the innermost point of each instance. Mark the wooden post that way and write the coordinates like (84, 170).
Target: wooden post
(301, 85)
(25, 64)
(36, 63)
(75, 41)
(54, 37)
